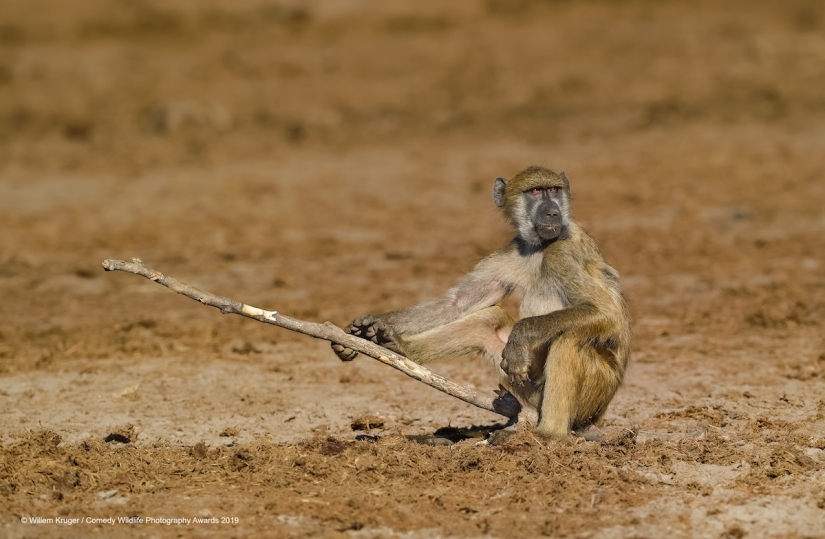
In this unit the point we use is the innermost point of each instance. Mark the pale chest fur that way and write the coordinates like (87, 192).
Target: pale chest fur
(538, 294)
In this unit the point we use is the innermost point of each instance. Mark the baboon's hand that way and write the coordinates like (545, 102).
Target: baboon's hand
(515, 358)
(515, 363)
(370, 328)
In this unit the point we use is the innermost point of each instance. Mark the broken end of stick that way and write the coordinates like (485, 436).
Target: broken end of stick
(112, 264)
(136, 266)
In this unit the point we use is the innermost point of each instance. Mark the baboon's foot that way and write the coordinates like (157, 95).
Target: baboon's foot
(506, 404)
(344, 353)
(372, 329)
(376, 330)
(590, 433)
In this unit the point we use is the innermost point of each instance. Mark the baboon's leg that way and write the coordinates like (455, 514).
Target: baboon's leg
(482, 333)
(578, 386)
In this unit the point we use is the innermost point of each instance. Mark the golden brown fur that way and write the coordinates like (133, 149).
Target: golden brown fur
(567, 354)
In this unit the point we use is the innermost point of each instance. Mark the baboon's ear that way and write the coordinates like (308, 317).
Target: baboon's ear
(498, 192)
(563, 176)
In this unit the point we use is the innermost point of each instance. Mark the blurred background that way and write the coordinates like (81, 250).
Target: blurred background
(133, 85)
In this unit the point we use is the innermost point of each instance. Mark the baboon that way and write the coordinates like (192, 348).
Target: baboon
(567, 354)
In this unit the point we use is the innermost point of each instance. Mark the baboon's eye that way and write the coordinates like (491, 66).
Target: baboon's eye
(555, 190)
(535, 191)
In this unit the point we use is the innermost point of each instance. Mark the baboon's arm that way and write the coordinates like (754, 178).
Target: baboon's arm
(541, 330)
(535, 334)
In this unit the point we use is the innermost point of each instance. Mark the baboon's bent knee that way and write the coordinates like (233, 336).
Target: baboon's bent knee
(503, 333)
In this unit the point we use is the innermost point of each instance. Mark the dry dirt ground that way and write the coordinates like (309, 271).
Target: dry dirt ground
(333, 158)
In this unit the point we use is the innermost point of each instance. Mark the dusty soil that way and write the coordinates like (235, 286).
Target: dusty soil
(330, 159)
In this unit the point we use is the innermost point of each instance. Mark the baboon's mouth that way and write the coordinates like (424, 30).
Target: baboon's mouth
(545, 228)
(547, 231)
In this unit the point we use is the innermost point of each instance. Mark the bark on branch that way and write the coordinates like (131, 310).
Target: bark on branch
(505, 405)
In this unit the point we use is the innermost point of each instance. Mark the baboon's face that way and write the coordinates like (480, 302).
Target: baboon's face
(544, 208)
(537, 202)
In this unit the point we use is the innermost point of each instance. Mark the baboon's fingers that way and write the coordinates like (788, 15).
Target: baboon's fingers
(354, 330)
(518, 380)
(361, 327)
(517, 371)
(364, 321)
(344, 353)
(517, 377)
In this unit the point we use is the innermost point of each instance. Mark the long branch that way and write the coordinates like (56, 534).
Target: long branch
(506, 405)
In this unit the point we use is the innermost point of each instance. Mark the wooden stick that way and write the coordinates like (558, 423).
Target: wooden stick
(505, 404)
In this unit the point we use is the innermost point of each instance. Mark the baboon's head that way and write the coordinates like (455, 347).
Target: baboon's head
(537, 202)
